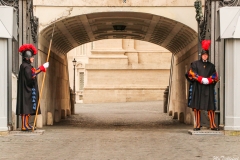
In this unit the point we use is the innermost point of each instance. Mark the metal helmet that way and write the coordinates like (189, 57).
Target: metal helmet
(205, 46)
(27, 54)
(27, 50)
(205, 52)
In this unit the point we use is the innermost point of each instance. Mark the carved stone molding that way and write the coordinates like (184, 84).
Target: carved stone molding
(229, 3)
(204, 27)
(13, 3)
(33, 21)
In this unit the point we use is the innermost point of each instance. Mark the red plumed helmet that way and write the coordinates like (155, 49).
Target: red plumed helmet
(28, 47)
(206, 44)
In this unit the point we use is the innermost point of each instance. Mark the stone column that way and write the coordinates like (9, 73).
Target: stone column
(232, 85)
(8, 32)
(3, 85)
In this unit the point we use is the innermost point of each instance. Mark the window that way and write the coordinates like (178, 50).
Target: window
(80, 97)
(81, 80)
(16, 58)
(186, 82)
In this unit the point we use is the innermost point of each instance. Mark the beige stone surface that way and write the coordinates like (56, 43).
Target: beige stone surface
(159, 22)
(103, 95)
(55, 93)
(63, 114)
(56, 13)
(57, 116)
(121, 131)
(124, 72)
(129, 78)
(39, 123)
(179, 88)
(14, 101)
(109, 45)
(115, 3)
(108, 60)
(132, 57)
(49, 119)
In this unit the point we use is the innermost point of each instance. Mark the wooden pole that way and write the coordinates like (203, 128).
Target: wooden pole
(44, 76)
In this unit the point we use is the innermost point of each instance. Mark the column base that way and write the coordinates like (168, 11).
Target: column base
(232, 123)
(3, 124)
(232, 133)
(232, 128)
(4, 133)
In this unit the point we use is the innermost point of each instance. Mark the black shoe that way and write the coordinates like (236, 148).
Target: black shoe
(196, 129)
(24, 129)
(215, 129)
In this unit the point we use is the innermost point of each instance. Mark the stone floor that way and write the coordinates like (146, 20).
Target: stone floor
(119, 131)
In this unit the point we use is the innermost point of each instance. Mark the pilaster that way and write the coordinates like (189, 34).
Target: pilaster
(3, 85)
(232, 85)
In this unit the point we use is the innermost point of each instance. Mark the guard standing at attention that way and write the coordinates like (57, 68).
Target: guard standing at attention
(203, 77)
(27, 86)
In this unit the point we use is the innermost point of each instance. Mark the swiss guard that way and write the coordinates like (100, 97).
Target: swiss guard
(27, 86)
(203, 77)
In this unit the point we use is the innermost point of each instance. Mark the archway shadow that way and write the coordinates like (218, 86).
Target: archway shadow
(122, 116)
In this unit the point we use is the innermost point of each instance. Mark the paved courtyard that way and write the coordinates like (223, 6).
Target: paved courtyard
(119, 131)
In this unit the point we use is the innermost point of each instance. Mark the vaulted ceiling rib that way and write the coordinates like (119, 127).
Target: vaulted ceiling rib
(74, 31)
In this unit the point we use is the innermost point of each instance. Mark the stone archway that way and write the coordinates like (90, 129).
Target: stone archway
(73, 31)
(76, 30)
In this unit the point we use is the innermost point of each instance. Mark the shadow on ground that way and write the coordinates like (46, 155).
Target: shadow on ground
(129, 115)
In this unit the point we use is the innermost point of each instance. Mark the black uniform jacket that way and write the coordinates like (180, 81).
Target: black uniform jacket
(24, 90)
(202, 96)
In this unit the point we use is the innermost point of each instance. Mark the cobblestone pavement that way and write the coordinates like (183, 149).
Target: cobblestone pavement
(119, 131)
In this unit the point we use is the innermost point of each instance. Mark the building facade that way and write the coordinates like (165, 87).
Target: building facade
(119, 70)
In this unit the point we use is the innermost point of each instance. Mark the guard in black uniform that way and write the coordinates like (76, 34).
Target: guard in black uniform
(27, 87)
(203, 77)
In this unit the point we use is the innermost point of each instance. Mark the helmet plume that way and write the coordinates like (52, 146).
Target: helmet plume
(206, 44)
(28, 47)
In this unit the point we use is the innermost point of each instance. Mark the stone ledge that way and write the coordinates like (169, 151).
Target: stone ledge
(127, 67)
(123, 88)
(108, 57)
(205, 132)
(232, 133)
(111, 3)
(107, 52)
(27, 133)
(4, 133)
(163, 50)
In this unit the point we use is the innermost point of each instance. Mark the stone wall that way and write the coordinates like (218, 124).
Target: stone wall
(118, 59)
(179, 89)
(126, 70)
(115, 3)
(56, 93)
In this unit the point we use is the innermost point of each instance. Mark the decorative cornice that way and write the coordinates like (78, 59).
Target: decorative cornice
(203, 19)
(33, 22)
(229, 3)
(79, 65)
(207, 18)
(13, 3)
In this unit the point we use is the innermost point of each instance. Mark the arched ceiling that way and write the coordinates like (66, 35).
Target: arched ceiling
(72, 32)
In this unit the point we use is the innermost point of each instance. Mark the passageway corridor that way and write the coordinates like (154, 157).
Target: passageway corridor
(131, 115)
(119, 131)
